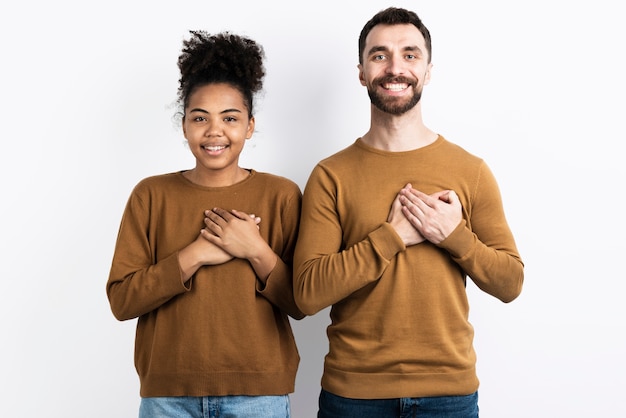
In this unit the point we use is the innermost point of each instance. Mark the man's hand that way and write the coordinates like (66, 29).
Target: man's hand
(409, 234)
(435, 216)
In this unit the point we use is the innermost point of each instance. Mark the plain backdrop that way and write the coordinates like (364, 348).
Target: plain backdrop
(536, 88)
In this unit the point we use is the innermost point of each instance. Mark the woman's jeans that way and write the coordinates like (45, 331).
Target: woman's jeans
(215, 406)
(333, 406)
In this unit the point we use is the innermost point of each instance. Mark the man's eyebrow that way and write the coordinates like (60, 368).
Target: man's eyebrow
(412, 48)
(376, 49)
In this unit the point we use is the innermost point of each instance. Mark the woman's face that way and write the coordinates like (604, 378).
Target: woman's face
(216, 125)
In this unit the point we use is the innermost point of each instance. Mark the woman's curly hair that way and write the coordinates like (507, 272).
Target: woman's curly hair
(221, 58)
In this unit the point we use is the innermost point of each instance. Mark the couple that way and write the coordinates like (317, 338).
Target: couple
(214, 260)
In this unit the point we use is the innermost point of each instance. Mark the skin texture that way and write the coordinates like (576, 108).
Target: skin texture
(217, 117)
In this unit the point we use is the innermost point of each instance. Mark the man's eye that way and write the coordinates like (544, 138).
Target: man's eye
(199, 119)
(379, 57)
(230, 119)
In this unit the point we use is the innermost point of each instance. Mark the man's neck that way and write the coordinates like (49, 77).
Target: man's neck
(398, 132)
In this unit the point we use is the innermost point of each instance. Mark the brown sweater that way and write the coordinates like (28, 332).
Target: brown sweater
(223, 332)
(399, 316)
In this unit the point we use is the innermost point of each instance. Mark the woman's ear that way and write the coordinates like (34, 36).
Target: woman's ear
(250, 130)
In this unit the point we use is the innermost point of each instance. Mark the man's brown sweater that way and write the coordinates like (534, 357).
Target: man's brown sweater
(400, 314)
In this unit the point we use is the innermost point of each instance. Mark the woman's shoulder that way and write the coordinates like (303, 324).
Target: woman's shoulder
(159, 181)
(274, 179)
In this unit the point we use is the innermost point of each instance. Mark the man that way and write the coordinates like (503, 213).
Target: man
(391, 227)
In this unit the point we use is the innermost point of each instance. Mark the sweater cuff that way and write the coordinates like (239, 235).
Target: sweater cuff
(172, 263)
(459, 242)
(386, 241)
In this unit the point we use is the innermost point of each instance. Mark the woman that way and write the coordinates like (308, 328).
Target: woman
(203, 257)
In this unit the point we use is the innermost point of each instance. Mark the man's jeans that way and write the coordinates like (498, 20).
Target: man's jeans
(215, 406)
(333, 406)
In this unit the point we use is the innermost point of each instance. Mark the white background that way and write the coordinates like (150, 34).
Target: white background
(536, 88)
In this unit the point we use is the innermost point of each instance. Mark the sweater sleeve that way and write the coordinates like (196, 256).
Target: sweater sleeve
(325, 271)
(278, 287)
(138, 284)
(484, 246)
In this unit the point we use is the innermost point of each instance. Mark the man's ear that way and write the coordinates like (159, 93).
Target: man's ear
(427, 75)
(361, 76)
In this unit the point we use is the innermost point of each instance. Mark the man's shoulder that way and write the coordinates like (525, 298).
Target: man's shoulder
(453, 148)
(347, 153)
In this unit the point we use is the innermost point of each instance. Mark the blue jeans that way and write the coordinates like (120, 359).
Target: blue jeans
(333, 406)
(215, 406)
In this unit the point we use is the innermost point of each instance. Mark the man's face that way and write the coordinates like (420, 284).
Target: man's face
(395, 67)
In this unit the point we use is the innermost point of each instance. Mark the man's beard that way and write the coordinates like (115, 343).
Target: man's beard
(390, 104)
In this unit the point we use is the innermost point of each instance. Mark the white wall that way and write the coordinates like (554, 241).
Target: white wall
(536, 88)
